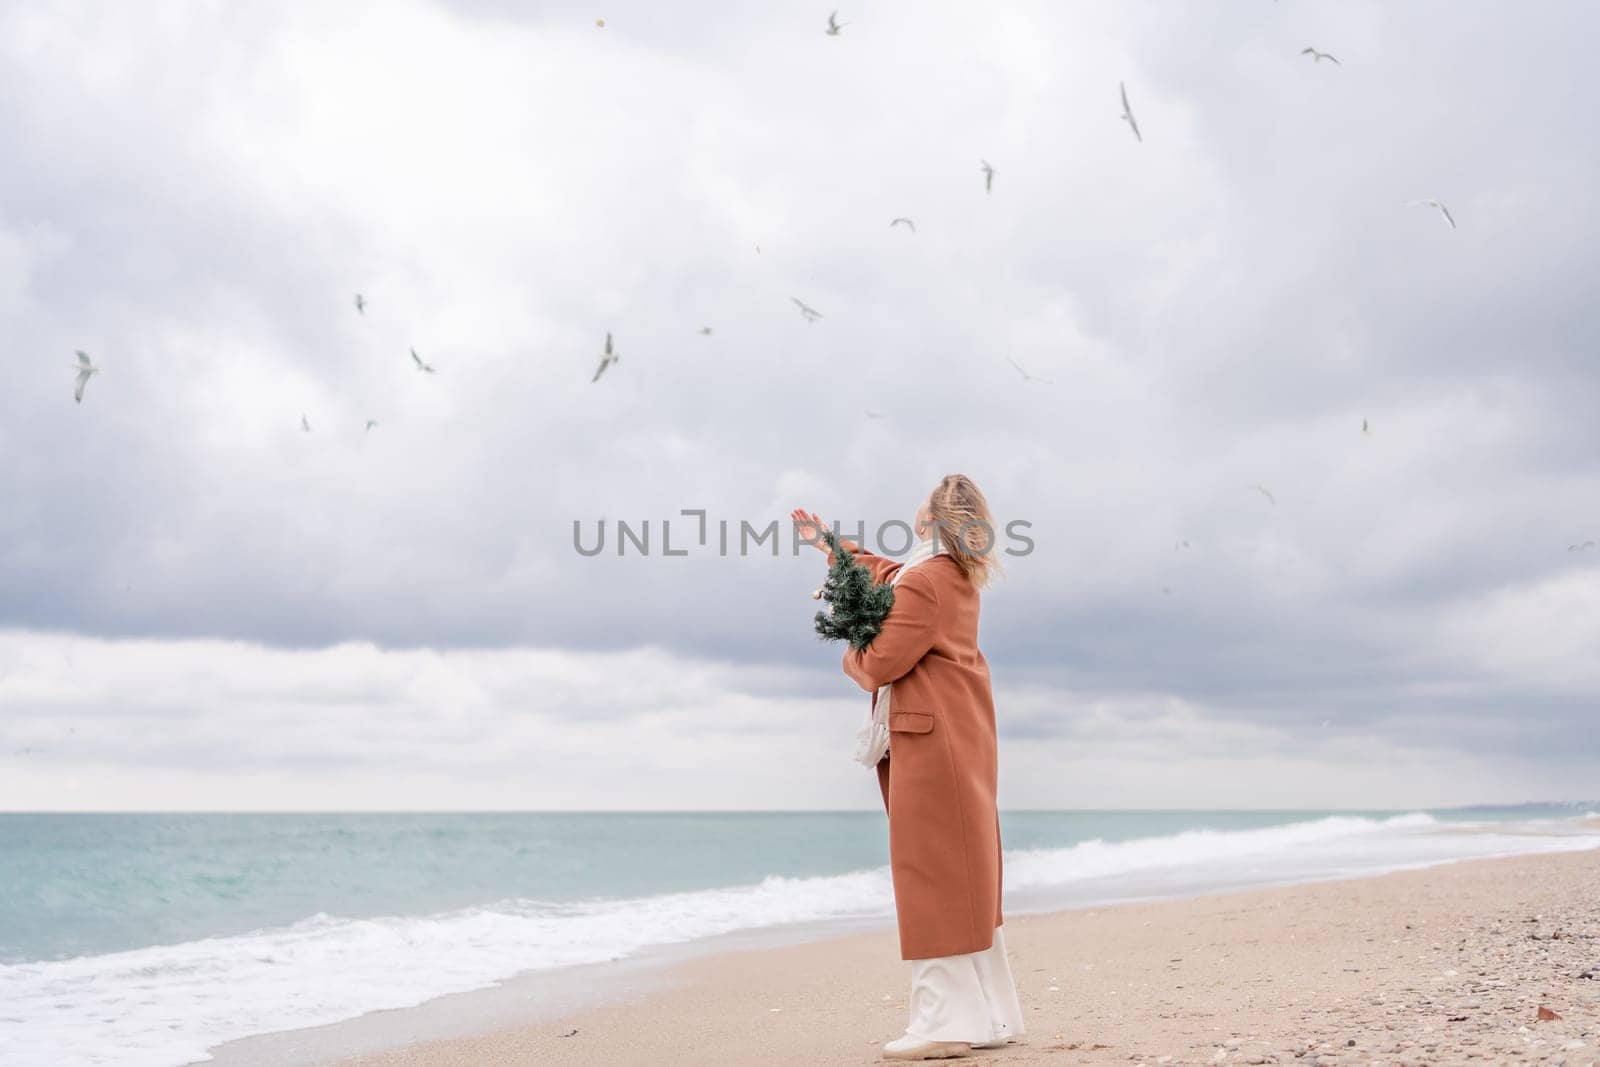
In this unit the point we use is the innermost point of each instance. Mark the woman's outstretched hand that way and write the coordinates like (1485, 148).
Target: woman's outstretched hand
(809, 525)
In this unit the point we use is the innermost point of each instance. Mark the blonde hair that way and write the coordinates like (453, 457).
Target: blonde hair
(964, 527)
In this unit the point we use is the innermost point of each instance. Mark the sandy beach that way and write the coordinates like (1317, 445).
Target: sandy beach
(1448, 964)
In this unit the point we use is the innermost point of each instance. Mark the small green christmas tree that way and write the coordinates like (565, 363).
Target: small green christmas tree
(856, 604)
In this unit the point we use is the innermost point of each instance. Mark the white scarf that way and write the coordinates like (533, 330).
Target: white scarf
(872, 740)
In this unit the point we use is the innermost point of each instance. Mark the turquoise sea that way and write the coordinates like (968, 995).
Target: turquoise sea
(148, 938)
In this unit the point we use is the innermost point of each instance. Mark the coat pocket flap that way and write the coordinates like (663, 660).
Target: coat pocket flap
(910, 722)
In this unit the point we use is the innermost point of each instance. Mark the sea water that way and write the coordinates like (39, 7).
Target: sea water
(148, 939)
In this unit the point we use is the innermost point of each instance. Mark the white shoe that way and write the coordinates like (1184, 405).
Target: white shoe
(1000, 1040)
(908, 1047)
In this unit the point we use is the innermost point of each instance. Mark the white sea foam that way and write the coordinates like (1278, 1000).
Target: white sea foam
(1097, 859)
(167, 1005)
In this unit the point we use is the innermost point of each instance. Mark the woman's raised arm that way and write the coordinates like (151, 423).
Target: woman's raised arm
(810, 526)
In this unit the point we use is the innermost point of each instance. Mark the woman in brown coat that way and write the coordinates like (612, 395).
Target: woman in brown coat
(938, 778)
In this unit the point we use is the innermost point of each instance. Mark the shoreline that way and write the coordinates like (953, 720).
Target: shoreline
(707, 1001)
(532, 996)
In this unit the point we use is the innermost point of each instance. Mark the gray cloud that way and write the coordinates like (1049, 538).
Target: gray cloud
(195, 200)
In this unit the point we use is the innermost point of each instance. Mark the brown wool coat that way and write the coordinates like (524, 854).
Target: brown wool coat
(939, 778)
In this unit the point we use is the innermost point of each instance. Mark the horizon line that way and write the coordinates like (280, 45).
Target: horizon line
(760, 811)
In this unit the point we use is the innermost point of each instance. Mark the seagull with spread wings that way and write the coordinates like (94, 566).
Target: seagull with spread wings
(902, 220)
(1431, 202)
(1127, 113)
(988, 175)
(1264, 492)
(86, 370)
(1318, 57)
(809, 313)
(361, 304)
(418, 361)
(1025, 375)
(834, 25)
(608, 357)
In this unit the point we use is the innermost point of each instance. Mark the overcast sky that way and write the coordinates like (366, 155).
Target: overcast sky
(203, 606)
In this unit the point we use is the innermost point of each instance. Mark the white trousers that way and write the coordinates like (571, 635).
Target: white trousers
(965, 998)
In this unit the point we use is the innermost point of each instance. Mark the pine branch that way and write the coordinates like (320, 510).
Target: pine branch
(857, 605)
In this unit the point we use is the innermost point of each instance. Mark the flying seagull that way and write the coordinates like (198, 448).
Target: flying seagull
(1179, 544)
(86, 370)
(895, 222)
(988, 176)
(1025, 375)
(1263, 491)
(305, 424)
(810, 313)
(1431, 202)
(418, 360)
(876, 415)
(1127, 112)
(370, 424)
(607, 358)
(1364, 426)
(705, 331)
(1586, 546)
(1318, 57)
(834, 25)
(361, 304)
